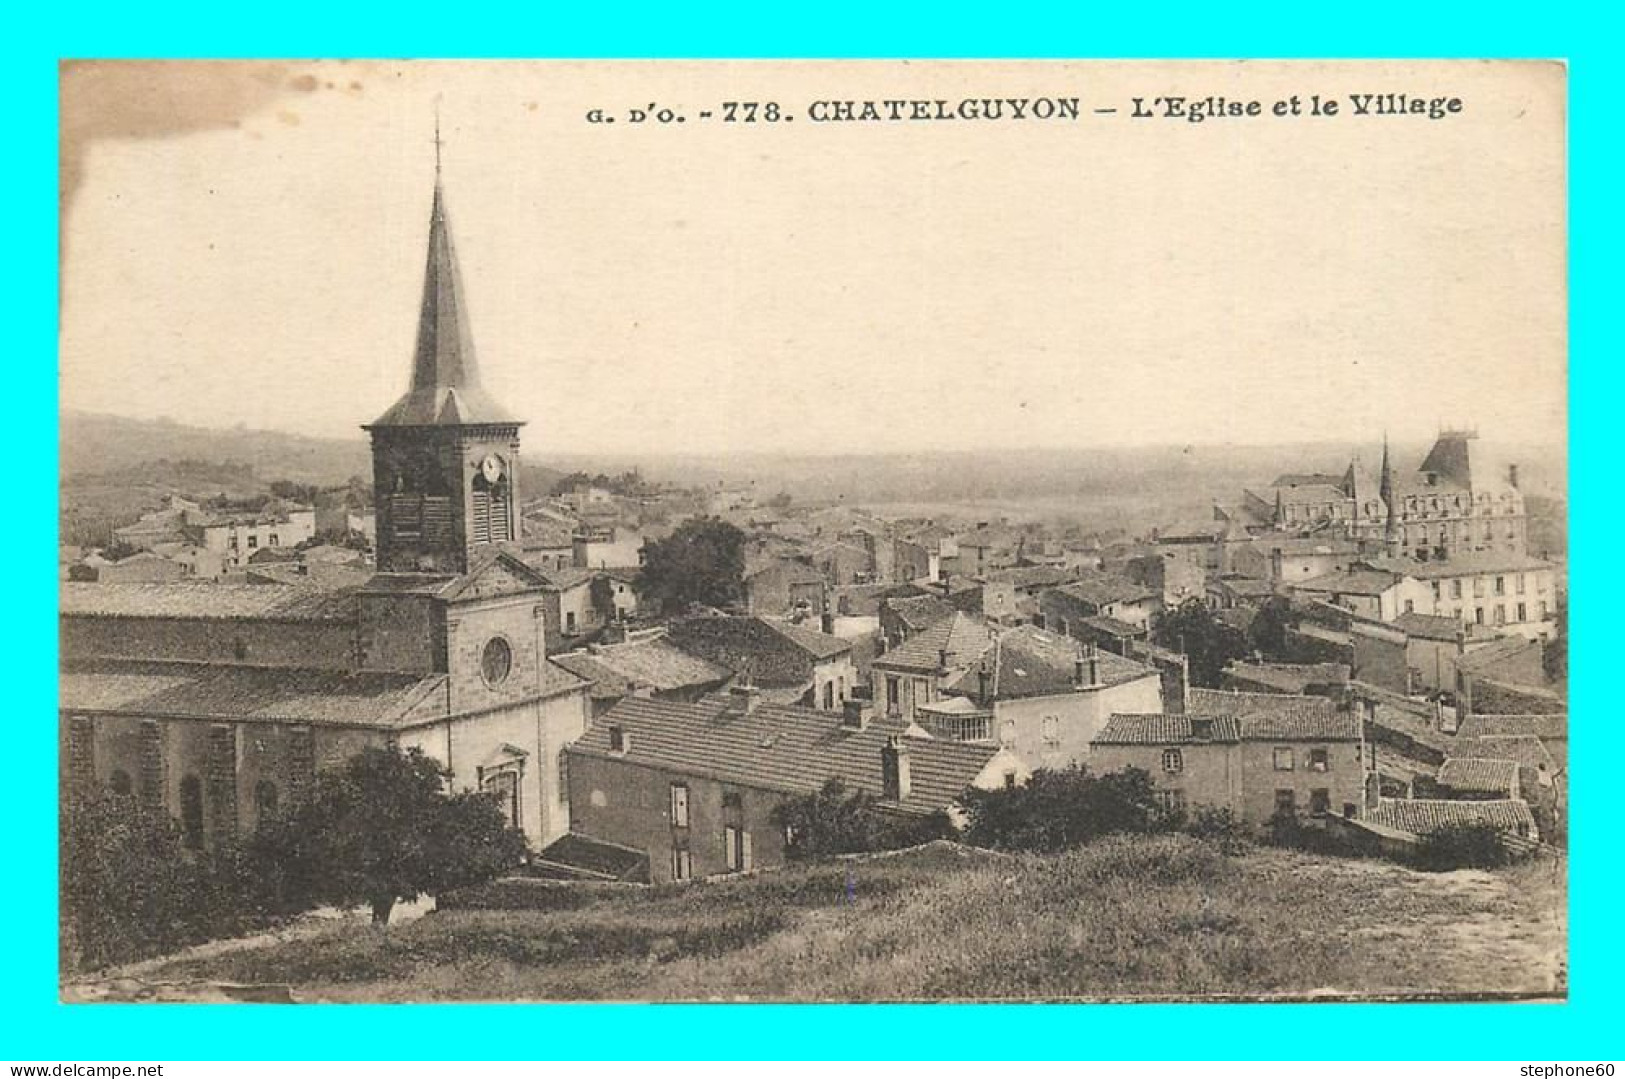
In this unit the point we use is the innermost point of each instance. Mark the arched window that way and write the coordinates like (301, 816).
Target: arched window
(266, 798)
(120, 782)
(192, 812)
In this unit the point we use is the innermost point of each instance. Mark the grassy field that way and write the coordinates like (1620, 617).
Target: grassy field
(1126, 917)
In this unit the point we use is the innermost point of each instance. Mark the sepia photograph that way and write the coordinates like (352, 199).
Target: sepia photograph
(813, 531)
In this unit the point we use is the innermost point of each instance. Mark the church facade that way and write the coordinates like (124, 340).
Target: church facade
(221, 702)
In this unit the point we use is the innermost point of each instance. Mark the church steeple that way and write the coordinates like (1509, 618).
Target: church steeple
(1386, 492)
(445, 386)
(445, 456)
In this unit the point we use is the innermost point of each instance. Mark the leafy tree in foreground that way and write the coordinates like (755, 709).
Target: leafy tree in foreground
(702, 561)
(383, 829)
(1062, 808)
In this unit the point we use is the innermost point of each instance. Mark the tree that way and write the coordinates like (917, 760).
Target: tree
(1267, 634)
(382, 829)
(119, 550)
(348, 538)
(702, 561)
(835, 820)
(130, 888)
(1061, 808)
(1461, 846)
(1191, 628)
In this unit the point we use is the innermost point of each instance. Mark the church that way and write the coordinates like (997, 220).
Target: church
(220, 702)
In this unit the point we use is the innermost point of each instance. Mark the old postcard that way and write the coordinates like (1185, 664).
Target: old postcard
(849, 531)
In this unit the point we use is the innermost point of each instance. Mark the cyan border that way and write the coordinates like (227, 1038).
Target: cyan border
(35, 1026)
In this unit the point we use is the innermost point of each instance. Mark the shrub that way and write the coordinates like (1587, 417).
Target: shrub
(1463, 846)
(836, 821)
(1058, 809)
(130, 888)
(1221, 827)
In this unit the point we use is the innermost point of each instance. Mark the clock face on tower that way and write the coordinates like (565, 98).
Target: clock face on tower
(491, 468)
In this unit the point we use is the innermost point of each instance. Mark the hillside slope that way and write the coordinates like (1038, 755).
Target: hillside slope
(1127, 917)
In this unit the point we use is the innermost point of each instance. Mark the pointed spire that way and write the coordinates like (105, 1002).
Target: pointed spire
(1386, 491)
(445, 385)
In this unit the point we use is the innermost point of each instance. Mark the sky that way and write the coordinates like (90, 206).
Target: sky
(243, 244)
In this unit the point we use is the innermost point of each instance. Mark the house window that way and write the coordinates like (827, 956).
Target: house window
(736, 849)
(1521, 579)
(1545, 612)
(894, 696)
(1435, 590)
(1010, 780)
(1286, 803)
(120, 782)
(1478, 615)
(679, 805)
(1173, 760)
(1409, 606)
(1283, 758)
(1319, 760)
(266, 798)
(1523, 612)
(1320, 801)
(570, 622)
(682, 866)
(253, 542)
(829, 695)
(1455, 588)
(1051, 730)
(1500, 614)
(617, 739)
(192, 812)
(272, 540)
(1500, 586)
(1007, 733)
(1478, 587)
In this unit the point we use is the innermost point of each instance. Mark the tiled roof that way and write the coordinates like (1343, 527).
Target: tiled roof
(795, 572)
(1429, 627)
(1526, 749)
(788, 749)
(202, 599)
(1420, 816)
(1393, 762)
(1467, 563)
(1289, 677)
(607, 684)
(768, 652)
(1488, 659)
(564, 577)
(1112, 627)
(1099, 588)
(918, 612)
(964, 638)
(1243, 586)
(1030, 662)
(250, 693)
(1354, 582)
(1278, 716)
(1165, 730)
(1479, 775)
(1548, 728)
(1312, 493)
(657, 663)
(1024, 577)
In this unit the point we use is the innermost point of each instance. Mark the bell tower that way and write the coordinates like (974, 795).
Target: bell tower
(445, 457)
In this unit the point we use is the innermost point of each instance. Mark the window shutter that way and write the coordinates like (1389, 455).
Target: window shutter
(744, 860)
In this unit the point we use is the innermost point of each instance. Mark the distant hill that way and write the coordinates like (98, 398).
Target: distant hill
(99, 445)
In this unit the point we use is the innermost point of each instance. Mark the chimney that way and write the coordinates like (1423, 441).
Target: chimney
(942, 659)
(826, 621)
(853, 716)
(1094, 666)
(744, 698)
(894, 771)
(984, 685)
(1438, 714)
